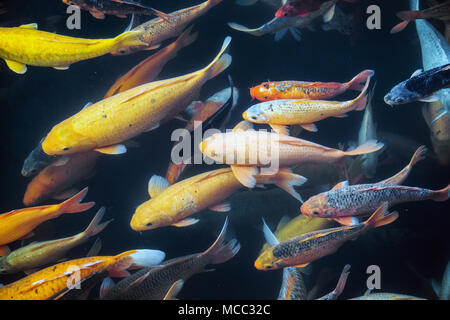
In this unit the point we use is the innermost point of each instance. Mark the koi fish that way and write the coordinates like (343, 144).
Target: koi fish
(173, 204)
(422, 86)
(440, 11)
(157, 30)
(118, 8)
(55, 181)
(17, 224)
(343, 202)
(280, 113)
(149, 69)
(246, 150)
(25, 45)
(302, 250)
(156, 283)
(53, 282)
(104, 125)
(280, 26)
(38, 254)
(268, 91)
(36, 161)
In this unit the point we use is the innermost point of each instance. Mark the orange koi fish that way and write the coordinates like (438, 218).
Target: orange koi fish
(55, 181)
(300, 251)
(19, 223)
(104, 125)
(245, 150)
(268, 91)
(55, 281)
(157, 30)
(280, 113)
(149, 69)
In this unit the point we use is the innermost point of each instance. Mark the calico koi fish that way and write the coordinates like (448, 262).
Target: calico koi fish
(246, 150)
(17, 224)
(104, 125)
(173, 204)
(25, 45)
(38, 254)
(304, 249)
(280, 113)
(268, 91)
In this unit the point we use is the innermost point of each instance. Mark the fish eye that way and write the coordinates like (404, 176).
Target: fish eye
(122, 51)
(148, 224)
(266, 86)
(268, 267)
(253, 117)
(66, 148)
(315, 212)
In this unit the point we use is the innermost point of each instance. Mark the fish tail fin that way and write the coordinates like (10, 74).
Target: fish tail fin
(287, 180)
(136, 259)
(357, 82)
(129, 39)
(381, 217)
(221, 61)
(406, 16)
(360, 102)
(94, 227)
(73, 204)
(442, 195)
(219, 252)
(419, 155)
(368, 147)
(186, 38)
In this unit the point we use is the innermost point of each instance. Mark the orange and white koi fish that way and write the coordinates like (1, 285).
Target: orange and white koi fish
(38, 254)
(245, 150)
(149, 69)
(268, 91)
(280, 113)
(18, 224)
(300, 251)
(56, 181)
(344, 201)
(25, 45)
(157, 30)
(55, 281)
(104, 125)
(173, 204)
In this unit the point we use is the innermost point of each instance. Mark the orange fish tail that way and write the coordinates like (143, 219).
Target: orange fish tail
(442, 195)
(357, 83)
(368, 147)
(73, 204)
(418, 155)
(381, 217)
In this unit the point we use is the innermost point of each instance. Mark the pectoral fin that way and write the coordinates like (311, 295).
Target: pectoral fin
(243, 126)
(61, 68)
(221, 207)
(114, 149)
(97, 14)
(29, 26)
(432, 98)
(186, 222)
(174, 290)
(245, 175)
(17, 67)
(310, 127)
(328, 16)
(301, 265)
(156, 185)
(341, 185)
(280, 129)
(347, 221)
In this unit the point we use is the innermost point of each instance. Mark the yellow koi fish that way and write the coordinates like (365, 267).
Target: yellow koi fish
(173, 204)
(25, 45)
(103, 125)
(38, 254)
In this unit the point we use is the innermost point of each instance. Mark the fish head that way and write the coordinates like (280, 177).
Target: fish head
(267, 261)
(261, 92)
(317, 206)
(150, 216)
(256, 114)
(214, 147)
(63, 140)
(36, 161)
(400, 95)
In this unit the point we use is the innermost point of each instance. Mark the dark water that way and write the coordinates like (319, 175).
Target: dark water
(32, 103)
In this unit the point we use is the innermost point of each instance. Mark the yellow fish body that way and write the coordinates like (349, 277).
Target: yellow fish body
(38, 254)
(103, 125)
(25, 45)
